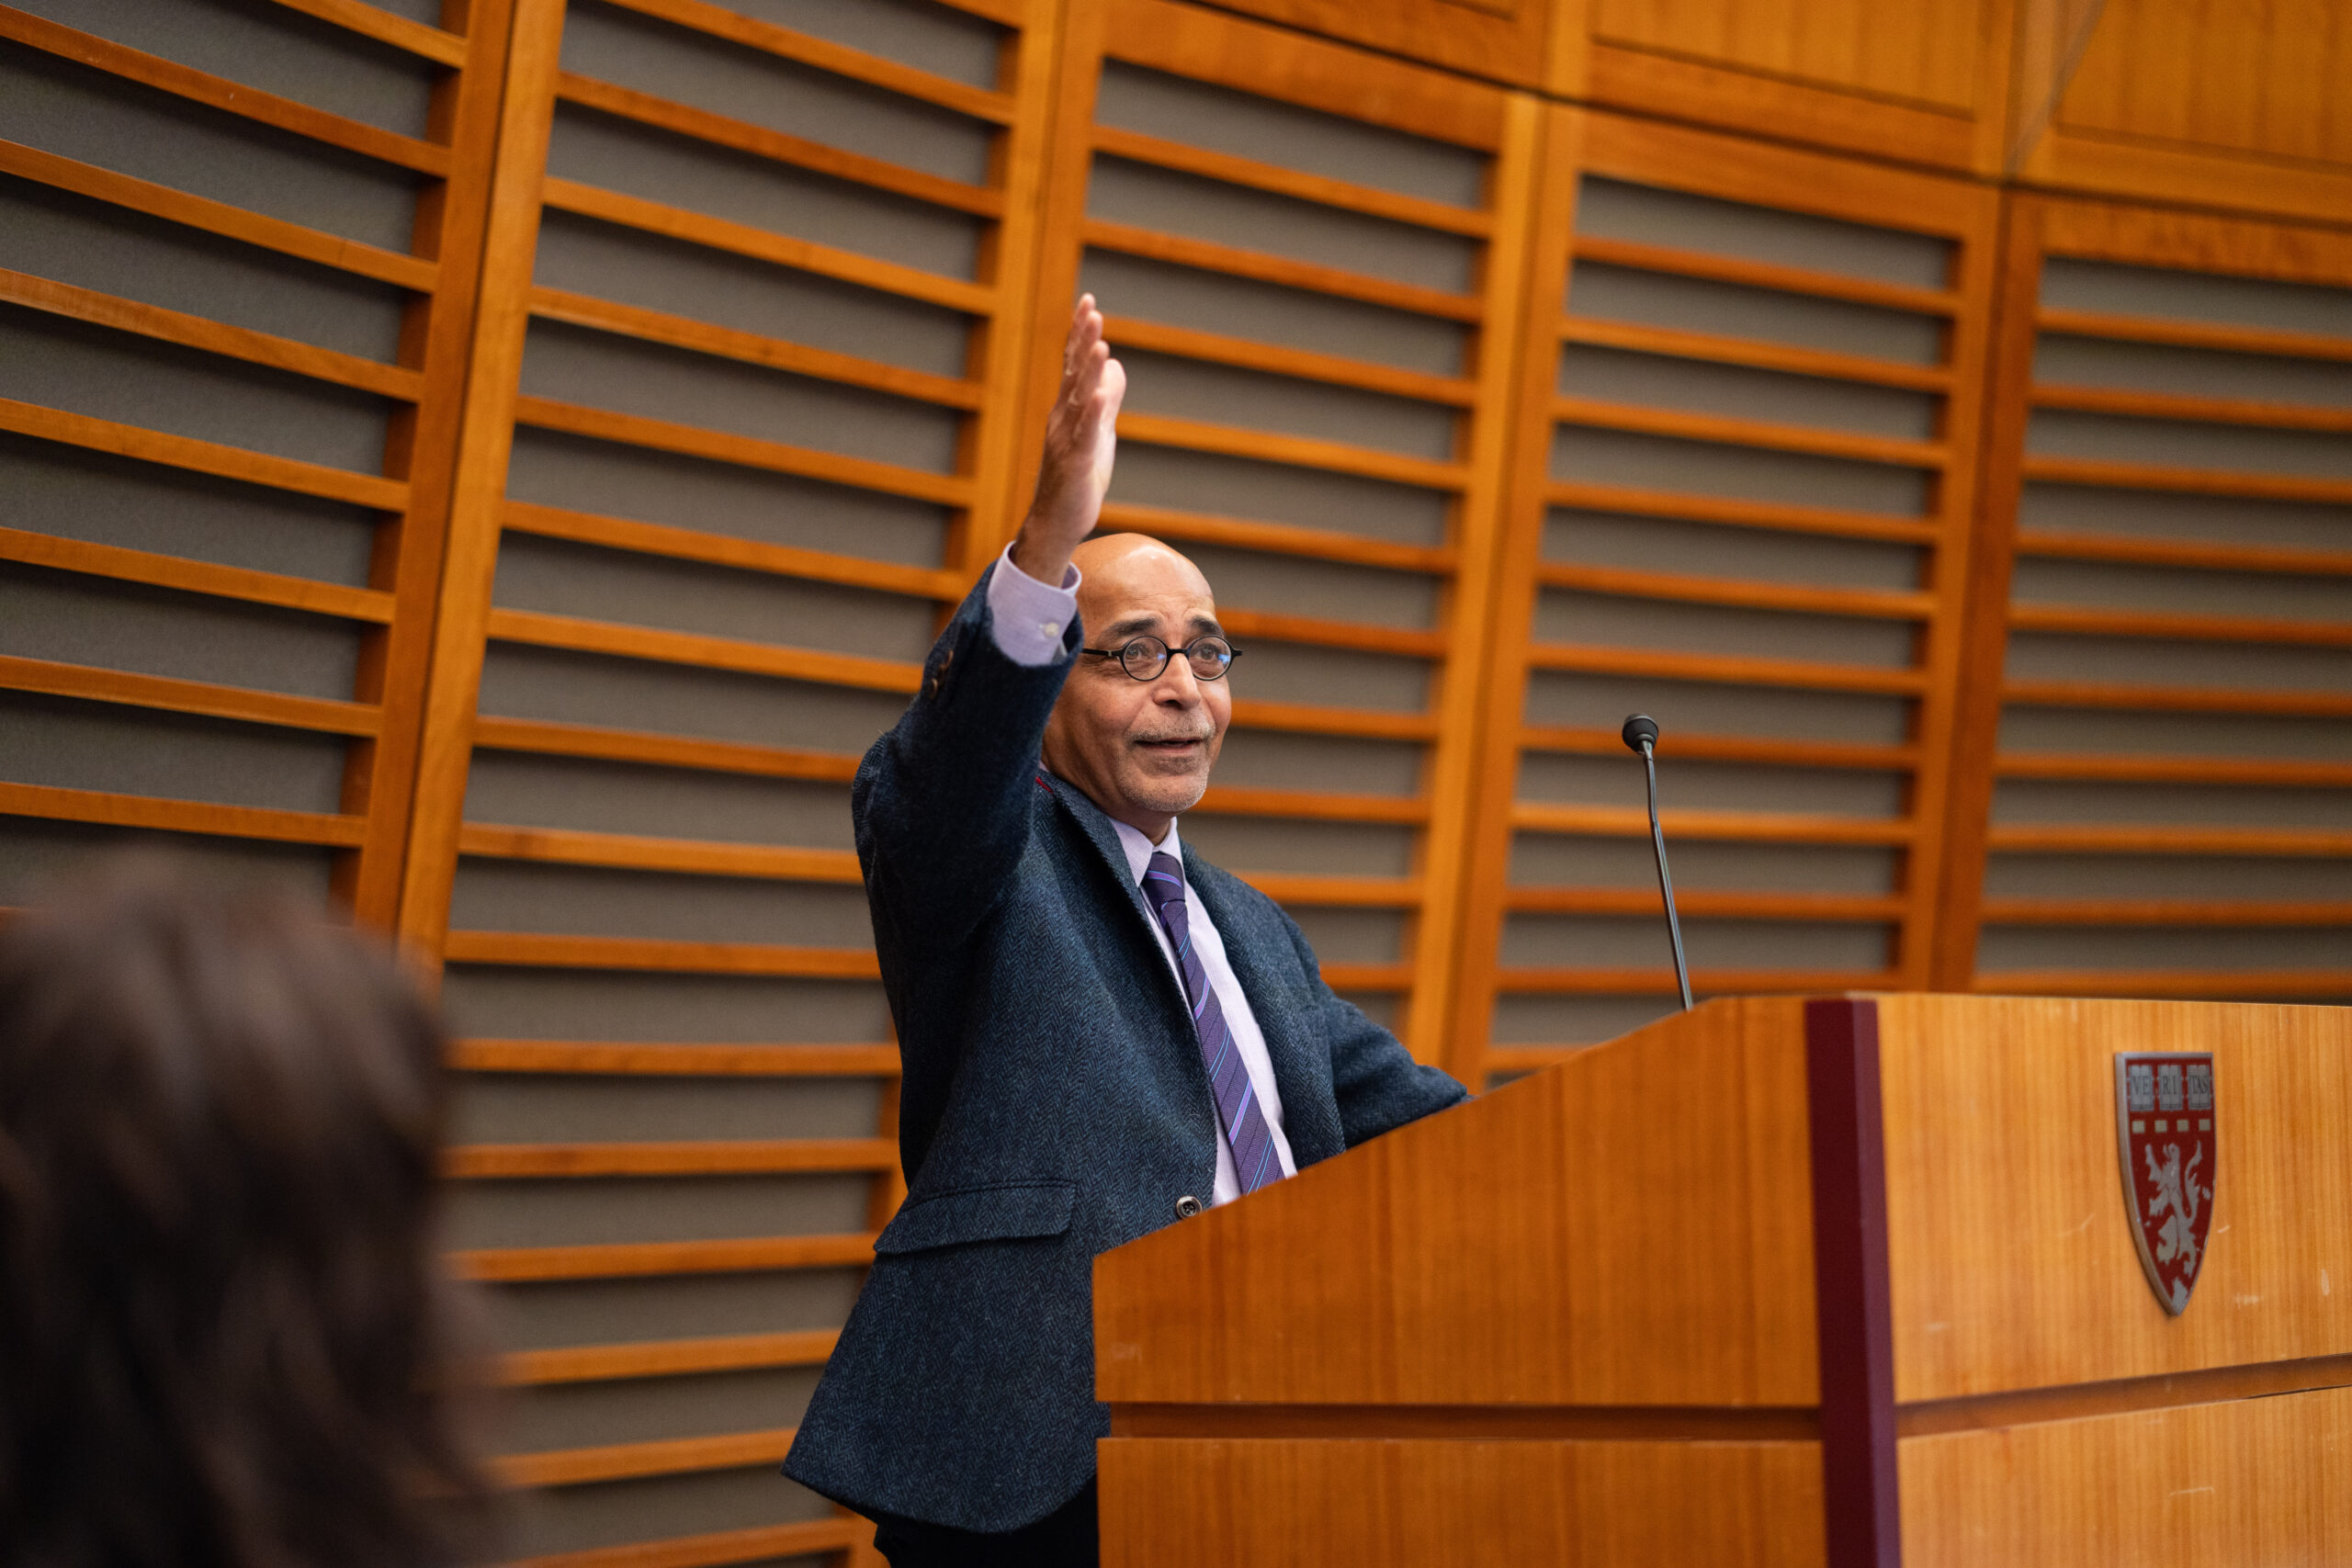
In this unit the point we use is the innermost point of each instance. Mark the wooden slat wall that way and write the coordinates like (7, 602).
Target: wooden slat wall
(740, 435)
(1308, 257)
(1743, 489)
(237, 275)
(2151, 789)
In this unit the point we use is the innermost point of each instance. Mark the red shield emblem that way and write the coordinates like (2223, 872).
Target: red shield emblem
(2163, 1129)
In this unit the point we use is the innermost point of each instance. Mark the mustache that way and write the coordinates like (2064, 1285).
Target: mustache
(1208, 733)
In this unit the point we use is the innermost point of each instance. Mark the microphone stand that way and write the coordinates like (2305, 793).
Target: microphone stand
(1640, 734)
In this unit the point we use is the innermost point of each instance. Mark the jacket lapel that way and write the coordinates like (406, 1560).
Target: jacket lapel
(1256, 947)
(1113, 855)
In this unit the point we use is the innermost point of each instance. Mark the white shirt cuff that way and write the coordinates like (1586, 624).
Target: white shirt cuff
(1026, 617)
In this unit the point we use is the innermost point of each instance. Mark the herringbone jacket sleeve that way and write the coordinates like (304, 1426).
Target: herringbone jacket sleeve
(942, 802)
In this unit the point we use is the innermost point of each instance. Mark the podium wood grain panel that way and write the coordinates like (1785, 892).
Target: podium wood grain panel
(2249, 1481)
(1612, 1279)
(2010, 1246)
(1177, 1504)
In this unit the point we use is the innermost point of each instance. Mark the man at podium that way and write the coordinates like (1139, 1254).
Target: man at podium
(1100, 1032)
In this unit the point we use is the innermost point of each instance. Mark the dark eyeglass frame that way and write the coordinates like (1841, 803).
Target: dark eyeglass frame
(1167, 653)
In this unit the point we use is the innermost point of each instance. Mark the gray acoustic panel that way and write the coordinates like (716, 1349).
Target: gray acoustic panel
(1269, 759)
(1694, 785)
(594, 797)
(1525, 1020)
(1714, 865)
(512, 1001)
(1270, 492)
(740, 187)
(579, 901)
(1272, 314)
(1612, 293)
(601, 1210)
(1694, 386)
(937, 38)
(277, 50)
(38, 858)
(564, 1312)
(1640, 943)
(1189, 389)
(1653, 215)
(518, 1107)
(1637, 459)
(65, 744)
(643, 1410)
(1757, 554)
(1283, 584)
(85, 115)
(1571, 616)
(613, 1513)
(129, 379)
(677, 699)
(1701, 707)
(161, 631)
(71, 493)
(1326, 849)
(56, 235)
(631, 50)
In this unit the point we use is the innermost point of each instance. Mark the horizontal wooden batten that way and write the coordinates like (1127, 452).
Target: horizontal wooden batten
(550, 738)
(748, 451)
(1729, 430)
(1208, 255)
(202, 333)
(743, 136)
(643, 1259)
(1369, 977)
(2153, 839)
(1728, 668)
(510, 1162)
(1645, 257)
(1678, 744)
(242, 583)
(1643, 903)
(634, 1059)
(202, 456)
(1774, 517)
(1740, 826)
(667, 1358)
(839, 60)
(651, 954)
(720, 1549)
(1876, 604)
(1277, 538)
(1298, 451)
(1661, 982)
(2176, 699)
(2218, 985)
(764, 244)
(749, 348)
(708, 652)
(1248, 354)
(2170, 333)
(2219, 912)
(1309, 718)
(2083, 620)
(2181, 553)
(219, 93)
(409, 272)
(1371, 200)
(170, 695)
(108, 809)
(2164, 478)
(727, 549)
(2197, 410)
(2108, 767)
(1753, 352)
(1312, 631)
(1311, 806)
(630, 1461)
(632, 852)
(385, 27)
(2122, 1396)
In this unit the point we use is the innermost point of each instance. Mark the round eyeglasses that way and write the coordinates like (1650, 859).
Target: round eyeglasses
(1145, 657)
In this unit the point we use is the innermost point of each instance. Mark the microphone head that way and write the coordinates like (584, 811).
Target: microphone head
(1640, 732)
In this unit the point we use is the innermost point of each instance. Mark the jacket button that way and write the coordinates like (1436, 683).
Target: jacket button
(1187, 1206)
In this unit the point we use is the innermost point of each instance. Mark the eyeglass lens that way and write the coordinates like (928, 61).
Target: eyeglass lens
(1146, 657)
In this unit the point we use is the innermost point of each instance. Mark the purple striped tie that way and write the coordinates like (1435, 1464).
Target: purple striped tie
(1254, 1164)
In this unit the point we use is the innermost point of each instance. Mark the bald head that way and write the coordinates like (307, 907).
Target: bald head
(1140, 750)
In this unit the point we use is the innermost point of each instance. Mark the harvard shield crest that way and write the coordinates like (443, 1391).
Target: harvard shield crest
(2163, 1130)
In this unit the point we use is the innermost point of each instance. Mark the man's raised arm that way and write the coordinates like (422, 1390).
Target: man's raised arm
(940, 801)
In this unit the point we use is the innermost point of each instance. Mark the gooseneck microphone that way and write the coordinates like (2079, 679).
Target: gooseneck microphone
(1641, 734)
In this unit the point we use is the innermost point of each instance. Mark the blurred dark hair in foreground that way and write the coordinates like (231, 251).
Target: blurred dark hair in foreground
(226, 1340)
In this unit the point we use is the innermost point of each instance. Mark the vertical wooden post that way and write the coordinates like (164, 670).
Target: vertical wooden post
(1984, 641)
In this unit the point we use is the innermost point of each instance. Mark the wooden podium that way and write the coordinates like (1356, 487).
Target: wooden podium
(1837, 1282)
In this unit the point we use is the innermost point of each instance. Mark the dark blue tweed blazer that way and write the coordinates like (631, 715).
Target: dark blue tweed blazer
(1054, 1103)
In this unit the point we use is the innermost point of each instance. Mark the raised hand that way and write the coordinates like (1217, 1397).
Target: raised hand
(1081, 438)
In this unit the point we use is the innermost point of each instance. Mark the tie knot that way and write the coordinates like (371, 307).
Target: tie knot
(1163, 882)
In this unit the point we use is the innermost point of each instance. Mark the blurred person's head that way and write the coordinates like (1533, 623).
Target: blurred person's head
(225, 1336)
